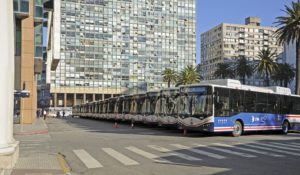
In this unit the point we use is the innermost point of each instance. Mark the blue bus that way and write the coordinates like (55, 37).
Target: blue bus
(229, 106)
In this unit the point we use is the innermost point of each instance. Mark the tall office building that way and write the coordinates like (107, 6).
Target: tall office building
(101, 48)
(28, 54)
(228, 42)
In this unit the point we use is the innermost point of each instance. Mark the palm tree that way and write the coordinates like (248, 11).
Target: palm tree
(243, 69)
(189, 75)
(224, 70)
(169, 76)
(266, 64)
(289, 31)
(284, 74)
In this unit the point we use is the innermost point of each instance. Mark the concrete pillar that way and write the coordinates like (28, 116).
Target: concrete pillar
(8, 146)
(75, 98)
(65, 100)
(94, 97)
(84, 98)
(55, 100)
(102, 97)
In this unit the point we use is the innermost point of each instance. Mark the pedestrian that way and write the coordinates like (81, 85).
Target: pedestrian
(64, 113)
(58, 114)
(45, 114)
(38, 113)
(132, 124)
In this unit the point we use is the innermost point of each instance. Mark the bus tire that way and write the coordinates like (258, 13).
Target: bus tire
(237, 129)
(285, 127)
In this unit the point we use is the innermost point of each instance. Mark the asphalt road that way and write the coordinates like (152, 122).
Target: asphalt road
(95, 147)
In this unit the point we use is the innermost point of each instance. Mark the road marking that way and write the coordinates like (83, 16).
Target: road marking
(279, 147)
(216, 156)
(250, 150)
(298, 144)
(147, 154)
(87, 159)
(172, 153)
(287, 145)
(228, 151)
(272, 149)
(120, 157)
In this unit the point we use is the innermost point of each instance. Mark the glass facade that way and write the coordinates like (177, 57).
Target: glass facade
(124, 43)
(21, 6)
(38, 9)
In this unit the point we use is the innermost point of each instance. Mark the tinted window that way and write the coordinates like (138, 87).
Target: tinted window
(286, 105)
(261, 102)
(236, 104)
(222, 102)
(295, 105)
(249, 101)
(274, 104)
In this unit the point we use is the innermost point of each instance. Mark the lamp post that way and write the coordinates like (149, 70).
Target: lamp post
(8, 146)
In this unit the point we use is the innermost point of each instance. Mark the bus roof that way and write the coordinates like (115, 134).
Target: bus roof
(236, 84)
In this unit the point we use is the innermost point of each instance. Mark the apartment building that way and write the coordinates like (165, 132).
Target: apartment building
(228, 42)
(102, 48)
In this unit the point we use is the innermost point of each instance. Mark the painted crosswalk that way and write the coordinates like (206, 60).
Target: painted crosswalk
(87, 159)
(172, 153)
(147, 154)
(280, 147)
(120, 157)
(286, 145)
(209, 154)
(136, 155)
(250, 150)
(227, 151)
(293, 143)
(272, 149)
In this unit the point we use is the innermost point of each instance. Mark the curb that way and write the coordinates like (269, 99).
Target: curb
(63, 164)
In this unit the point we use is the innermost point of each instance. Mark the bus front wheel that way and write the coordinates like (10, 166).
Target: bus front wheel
(237, 129)
(285, 127)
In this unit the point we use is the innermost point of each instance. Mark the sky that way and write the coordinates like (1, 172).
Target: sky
(210, 13)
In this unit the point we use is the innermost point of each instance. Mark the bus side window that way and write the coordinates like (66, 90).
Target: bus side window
(295, 105)
(222, 104)
(249, 101)
(286, 105)
(236, 101)
(273, 104)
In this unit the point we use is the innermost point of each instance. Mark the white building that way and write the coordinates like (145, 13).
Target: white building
(228, 42)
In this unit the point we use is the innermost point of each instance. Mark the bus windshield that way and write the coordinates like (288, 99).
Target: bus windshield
(169, 105)
(198, 104)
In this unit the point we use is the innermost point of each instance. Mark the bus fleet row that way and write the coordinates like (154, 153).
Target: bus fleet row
(212, 106)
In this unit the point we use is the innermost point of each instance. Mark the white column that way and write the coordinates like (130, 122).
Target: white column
(7, 143)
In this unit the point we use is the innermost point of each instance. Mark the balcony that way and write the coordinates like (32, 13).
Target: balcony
(21, 8)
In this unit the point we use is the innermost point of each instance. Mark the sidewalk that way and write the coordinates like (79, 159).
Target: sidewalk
(36, 155)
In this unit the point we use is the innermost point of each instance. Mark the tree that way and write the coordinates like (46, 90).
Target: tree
(224, 70)
(266, 64)
(289, 31)
(284, 74)
(189, 75)
(169, 76)
(243, 69)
